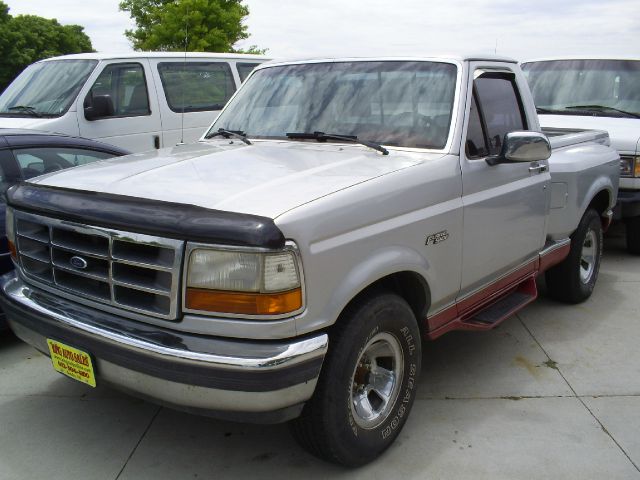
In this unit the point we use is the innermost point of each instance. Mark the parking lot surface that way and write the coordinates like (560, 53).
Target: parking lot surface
(554, 392)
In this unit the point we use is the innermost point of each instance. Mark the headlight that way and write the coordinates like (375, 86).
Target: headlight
(629, 166)
(243, 282)
(11, 233)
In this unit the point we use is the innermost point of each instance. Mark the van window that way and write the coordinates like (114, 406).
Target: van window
(244, 69)
(196, 86)
(126, 86)
(45, 89)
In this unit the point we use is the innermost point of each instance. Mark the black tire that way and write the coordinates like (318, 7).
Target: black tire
(331, 426)
(571, 281)
(633, 235)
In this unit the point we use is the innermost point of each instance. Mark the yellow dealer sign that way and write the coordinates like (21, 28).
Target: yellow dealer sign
(72, 362)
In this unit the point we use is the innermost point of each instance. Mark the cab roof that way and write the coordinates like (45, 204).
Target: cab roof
(439, 58)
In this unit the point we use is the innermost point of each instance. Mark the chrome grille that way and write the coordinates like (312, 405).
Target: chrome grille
(128, 270)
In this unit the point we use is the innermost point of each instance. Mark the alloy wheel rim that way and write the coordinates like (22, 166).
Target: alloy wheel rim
(376, 380)
(588, 257)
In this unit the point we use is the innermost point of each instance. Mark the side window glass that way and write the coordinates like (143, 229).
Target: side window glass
(196, 86)
(38, 161)
(501, 107)
(30, 165)
(244, 69)
(476, 144)
(120, 91)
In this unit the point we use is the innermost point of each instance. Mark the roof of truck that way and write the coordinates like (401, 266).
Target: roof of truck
(112, 56)
(446, 58)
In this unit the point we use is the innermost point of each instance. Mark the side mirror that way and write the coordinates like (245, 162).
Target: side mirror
(98, 106)
(522, 147)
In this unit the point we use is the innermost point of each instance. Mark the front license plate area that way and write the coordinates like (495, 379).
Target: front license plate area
(72, 362)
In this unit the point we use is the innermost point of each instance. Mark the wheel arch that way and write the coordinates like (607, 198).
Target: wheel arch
(601, 201)
(600, 197)
(407, 284)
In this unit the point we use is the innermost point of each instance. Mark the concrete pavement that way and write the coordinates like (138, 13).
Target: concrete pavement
(552, 393)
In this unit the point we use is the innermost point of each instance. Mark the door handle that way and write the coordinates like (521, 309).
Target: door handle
(538, 169)
(156, 142)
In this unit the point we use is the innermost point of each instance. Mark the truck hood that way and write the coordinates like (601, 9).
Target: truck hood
(267, 178)
(623, 132)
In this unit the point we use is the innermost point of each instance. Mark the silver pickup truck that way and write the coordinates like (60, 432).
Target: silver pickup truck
(288, 265)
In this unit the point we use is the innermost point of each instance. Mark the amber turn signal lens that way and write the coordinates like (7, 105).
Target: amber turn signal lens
(12, 250)
(244, 303)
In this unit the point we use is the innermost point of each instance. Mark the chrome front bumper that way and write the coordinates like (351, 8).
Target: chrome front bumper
(228, 378)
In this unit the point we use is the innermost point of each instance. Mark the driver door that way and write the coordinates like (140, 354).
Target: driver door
(505, 206)
(133, 122)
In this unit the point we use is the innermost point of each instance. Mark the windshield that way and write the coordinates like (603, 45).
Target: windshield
(45, 88)
(599, 87)
(395, 103)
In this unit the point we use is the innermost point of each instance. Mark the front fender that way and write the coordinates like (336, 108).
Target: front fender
(379, 264)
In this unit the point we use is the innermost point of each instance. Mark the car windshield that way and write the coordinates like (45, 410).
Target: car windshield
(396, 103)
(592, 87)
(45, 88)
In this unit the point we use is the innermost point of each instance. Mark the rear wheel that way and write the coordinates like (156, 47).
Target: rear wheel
(367, 385)
(633, 235)
(572, 281)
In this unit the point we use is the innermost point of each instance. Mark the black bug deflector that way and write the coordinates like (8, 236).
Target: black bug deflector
(152, 217)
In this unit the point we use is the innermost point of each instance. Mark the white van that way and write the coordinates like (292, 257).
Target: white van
(137, 101)
(602, 93)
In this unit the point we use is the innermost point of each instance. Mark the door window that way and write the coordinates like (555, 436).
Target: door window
(38, 161)
(476, 145)
(196, 86)
(496, 110)
(124, 84)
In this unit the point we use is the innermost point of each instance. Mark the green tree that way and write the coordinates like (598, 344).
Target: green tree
(200, 25)
(25, 39)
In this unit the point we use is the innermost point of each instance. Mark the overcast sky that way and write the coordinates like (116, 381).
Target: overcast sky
(299, 28)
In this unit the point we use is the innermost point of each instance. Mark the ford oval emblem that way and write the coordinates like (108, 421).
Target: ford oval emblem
(78, 262)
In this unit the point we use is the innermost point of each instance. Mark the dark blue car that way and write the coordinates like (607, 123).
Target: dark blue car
(28, 153)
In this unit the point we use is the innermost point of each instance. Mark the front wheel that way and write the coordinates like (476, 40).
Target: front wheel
(367, 385)
(572, 281)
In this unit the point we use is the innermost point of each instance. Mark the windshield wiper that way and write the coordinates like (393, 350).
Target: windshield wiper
(602, 108)
(228, 134)
(321, 136)
(26, 109)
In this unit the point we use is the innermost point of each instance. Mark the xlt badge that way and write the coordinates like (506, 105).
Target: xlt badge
(437, 237)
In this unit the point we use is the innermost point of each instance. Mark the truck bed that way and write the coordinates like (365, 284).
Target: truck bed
(564, 137)
(577, 173)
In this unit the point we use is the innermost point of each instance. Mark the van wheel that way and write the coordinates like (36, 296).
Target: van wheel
(572, 281)
(367, 385)
(633, 235)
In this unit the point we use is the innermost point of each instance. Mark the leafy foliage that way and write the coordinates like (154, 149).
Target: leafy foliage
(25, 39)
(198, 25)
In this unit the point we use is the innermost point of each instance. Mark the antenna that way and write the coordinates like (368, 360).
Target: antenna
(184, 69)
(495, 51)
